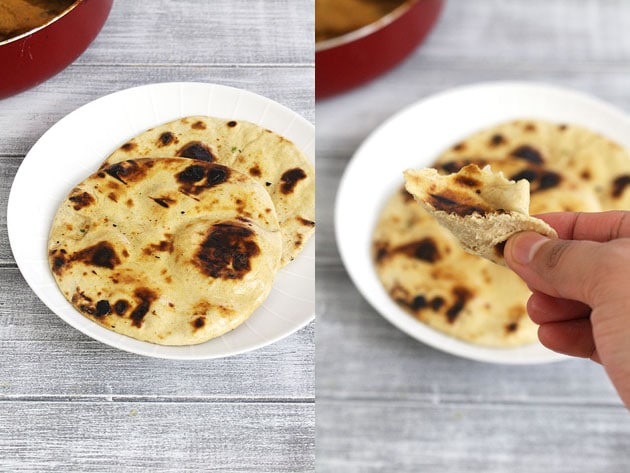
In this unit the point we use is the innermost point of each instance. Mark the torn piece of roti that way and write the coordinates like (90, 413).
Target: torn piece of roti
(481, 208)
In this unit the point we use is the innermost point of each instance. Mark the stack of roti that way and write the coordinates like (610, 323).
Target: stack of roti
(177, 237)
(427, 255)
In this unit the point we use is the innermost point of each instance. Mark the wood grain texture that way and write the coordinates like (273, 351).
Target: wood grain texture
(156, 437)
(185, 32)
(408, 437)
(386, 402)
(557, 35)
(25, 117)
(71, 404)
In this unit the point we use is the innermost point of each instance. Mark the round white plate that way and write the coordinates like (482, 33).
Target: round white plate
(413, 138)
(74, 148)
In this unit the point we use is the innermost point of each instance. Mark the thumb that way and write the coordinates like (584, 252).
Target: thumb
(566, 269)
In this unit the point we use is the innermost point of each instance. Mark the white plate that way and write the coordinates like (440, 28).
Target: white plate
(415, 137)
(75, 146)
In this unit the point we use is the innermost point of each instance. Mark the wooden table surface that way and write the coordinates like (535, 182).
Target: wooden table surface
(69, 403)
(387, 403)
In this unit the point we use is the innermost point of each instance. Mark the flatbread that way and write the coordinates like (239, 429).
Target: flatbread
(426, 272)
(481, 208)
(569, 168)
(551, 156)
(269, 158)
(172, 251)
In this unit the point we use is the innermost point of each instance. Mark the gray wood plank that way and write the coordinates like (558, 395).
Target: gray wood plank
(157, 437)
(8, 168)
(26, 116)
(456, 438)
(562, 33)
(205, 32)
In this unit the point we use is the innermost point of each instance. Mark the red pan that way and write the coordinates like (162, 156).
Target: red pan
(31, 58)
(350, 60)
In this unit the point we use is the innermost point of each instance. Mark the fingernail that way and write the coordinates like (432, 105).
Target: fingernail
(525, 245)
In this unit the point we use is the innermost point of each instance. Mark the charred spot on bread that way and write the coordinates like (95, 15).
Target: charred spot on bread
(511, 327)
(527, 174)
(619, 185)
(217, 175)
(145, 298)
(81, 199)
(129, 146)
(198, 323)
(121, 306)
(437, 303)
(290, 178)
(306, 222)
(165, 202)
(196, 150)
(193, 173)
(531, 127)
(102, 308)
(127, 171)
(548, 180)
(528, 153)
(467, 181)
(380, 251)
(227, 251)
(451, 202)
(165, 139)
(197, 177)
(540, 179)
(423, 250)
(101, 255)
(462, 296)
(161, 246)
(496, 140)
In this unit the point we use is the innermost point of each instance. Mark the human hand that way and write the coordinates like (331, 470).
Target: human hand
(581, 288)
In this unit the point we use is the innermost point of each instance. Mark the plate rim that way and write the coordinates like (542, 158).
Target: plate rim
(102, 334)
(407, 324)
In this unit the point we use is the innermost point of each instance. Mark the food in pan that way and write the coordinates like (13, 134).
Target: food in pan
(337, 17)
(20, 16)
